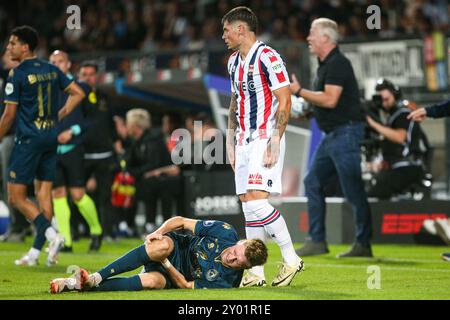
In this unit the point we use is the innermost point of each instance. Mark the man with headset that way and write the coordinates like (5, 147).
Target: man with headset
(403, 144)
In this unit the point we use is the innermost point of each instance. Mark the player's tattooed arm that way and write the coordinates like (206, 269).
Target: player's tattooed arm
(283, 96)
(231, 132)
(232, 118)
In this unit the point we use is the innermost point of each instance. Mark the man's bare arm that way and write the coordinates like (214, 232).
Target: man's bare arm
(327, 99)
(176, 276)
(7, 119)
(176, 223)
(76, 95)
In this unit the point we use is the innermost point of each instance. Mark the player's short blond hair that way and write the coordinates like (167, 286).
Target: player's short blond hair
(140, 118)
(328, 28)
(255, 252)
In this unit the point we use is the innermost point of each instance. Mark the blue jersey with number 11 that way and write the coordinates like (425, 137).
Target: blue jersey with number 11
(35, 87)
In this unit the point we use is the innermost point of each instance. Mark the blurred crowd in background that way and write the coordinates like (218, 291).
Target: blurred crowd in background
(162, 24)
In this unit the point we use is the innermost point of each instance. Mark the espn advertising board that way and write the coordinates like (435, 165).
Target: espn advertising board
(393, 221)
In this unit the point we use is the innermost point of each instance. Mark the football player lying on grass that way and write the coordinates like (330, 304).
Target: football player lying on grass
(213, 257)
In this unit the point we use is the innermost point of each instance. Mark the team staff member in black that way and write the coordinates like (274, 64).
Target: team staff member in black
(401, 146)
(338, 113)
(100, 160)
(70, 165)
(149, 161)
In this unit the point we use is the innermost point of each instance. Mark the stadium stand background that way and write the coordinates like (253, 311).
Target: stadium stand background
(116, 29)
(160, 24)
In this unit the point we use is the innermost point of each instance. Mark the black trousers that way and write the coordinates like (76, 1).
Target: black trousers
(164, 189)
(394, 181)
(103, 172)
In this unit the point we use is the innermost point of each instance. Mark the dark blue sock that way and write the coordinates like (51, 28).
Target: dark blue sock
(128, 262)
(120, 284)
(41, 224)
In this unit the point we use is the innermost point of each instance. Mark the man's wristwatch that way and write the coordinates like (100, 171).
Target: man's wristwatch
(297, 94)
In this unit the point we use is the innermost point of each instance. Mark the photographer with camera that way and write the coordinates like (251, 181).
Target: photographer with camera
(403, 144)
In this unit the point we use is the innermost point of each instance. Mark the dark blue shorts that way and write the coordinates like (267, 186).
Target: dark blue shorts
(33, 158)
(179, 258)
(70, 169)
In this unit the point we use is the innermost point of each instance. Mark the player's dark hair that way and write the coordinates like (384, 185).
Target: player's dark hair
(89, 64)
(244, 14)
(27, 35)
(256, 252)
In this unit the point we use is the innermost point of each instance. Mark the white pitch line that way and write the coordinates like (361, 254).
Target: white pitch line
(381, 267)
(410, 260)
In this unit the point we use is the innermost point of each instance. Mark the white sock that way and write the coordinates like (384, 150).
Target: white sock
(34, 253)
(253, 230)
(50, 233)
(275, 225)
(96, 278)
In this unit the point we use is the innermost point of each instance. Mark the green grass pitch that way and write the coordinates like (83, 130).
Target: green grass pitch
(405, 272)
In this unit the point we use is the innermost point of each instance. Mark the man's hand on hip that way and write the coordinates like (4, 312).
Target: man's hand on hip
(272, 153)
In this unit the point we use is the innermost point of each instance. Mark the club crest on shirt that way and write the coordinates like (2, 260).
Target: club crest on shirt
(211, 274)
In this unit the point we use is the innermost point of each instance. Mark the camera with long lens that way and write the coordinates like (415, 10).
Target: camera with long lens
(371, 144)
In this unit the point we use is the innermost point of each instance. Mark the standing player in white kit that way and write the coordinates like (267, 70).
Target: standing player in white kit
(259, 112)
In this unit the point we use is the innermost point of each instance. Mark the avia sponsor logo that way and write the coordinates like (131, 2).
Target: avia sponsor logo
(406, 223)
(216, 205)
(254, 178)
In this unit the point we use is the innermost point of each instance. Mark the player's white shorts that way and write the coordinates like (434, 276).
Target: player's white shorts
(250, 174)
